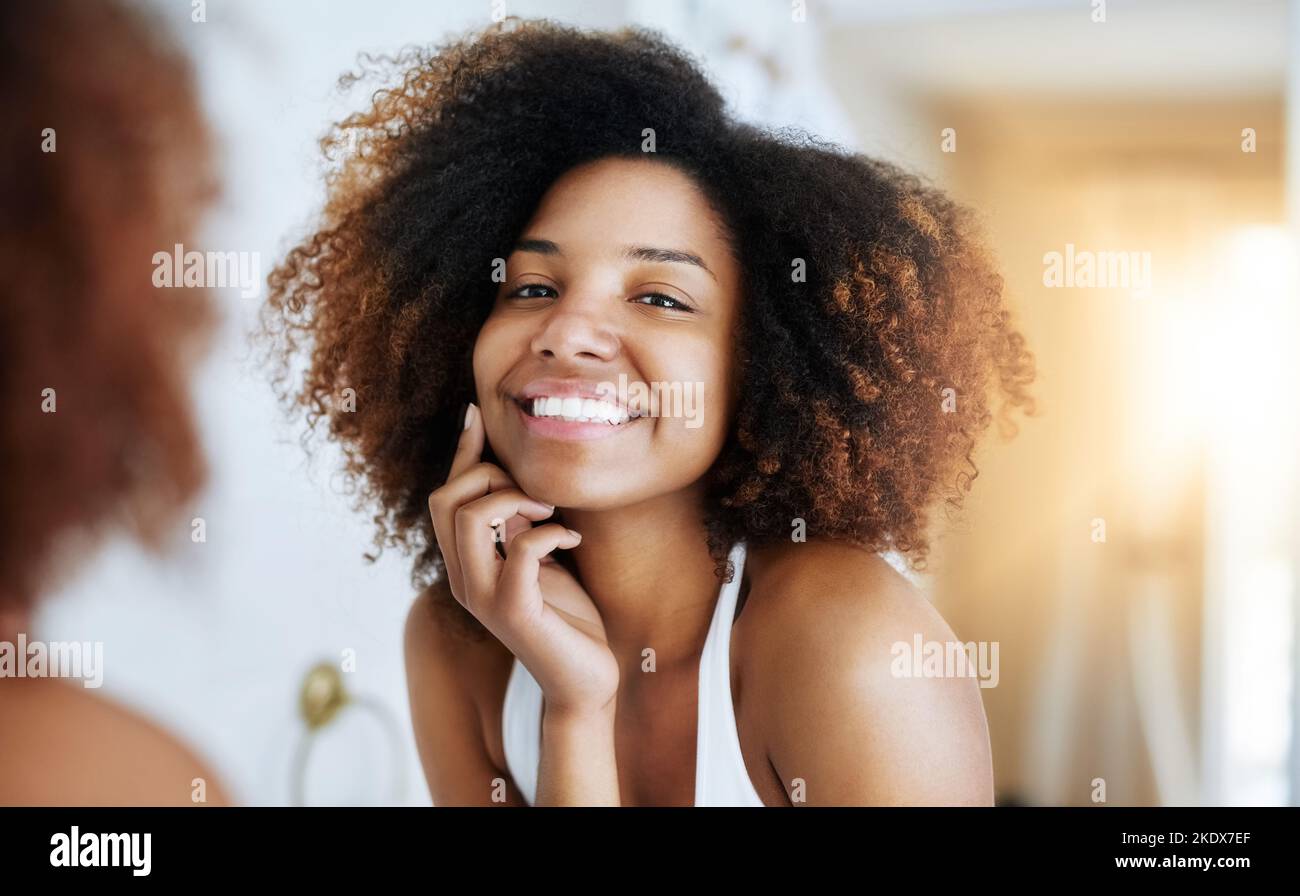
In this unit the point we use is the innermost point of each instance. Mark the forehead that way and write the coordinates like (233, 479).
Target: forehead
(615, 202)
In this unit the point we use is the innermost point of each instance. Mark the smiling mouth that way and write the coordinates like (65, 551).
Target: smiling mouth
(576, 410)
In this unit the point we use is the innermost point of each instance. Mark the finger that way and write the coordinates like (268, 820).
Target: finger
(478, 526)
(479, 480)
(514, 526)
(469, 448)
(470, 485)
(520, 570)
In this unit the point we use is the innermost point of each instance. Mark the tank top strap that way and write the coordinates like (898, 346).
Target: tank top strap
(721, 778)
(521, 729)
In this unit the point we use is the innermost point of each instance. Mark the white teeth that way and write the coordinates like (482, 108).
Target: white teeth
(578, 410)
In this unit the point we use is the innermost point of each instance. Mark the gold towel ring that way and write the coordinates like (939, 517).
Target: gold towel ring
(322, 698)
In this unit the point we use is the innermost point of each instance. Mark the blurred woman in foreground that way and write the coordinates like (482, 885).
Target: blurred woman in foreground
(104, 160)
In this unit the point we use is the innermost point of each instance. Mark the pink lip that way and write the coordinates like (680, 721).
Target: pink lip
(555, 428)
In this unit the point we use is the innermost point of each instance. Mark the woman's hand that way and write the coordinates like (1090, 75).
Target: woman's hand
(528, 601)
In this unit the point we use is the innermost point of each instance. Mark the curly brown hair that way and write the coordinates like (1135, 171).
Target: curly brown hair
(842, 418)
(104, 160)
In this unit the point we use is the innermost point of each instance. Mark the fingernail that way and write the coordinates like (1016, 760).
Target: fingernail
(577, 535)
(469, 415)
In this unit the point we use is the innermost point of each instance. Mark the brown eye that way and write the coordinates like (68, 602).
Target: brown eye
(659, 300)
(524, 292)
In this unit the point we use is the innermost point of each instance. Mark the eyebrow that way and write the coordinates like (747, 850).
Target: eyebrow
(639, 253)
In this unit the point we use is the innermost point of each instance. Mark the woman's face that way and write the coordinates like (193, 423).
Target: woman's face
(620, 299)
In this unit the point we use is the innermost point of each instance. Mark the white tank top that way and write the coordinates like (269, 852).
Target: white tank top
(720, 775)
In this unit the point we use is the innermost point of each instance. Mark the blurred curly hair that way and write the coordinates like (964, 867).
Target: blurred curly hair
(130, 174)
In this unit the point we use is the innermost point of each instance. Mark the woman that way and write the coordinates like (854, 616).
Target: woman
(559, 229)
(104, 160)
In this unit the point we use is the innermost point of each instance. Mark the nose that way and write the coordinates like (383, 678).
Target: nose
(574, 329)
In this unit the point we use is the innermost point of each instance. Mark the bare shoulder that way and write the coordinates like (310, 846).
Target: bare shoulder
(440, 639)
(456, 677)
(834, 576)
(68, 745)
(821, 631)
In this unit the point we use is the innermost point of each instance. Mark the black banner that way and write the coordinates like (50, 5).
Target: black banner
(333, 845)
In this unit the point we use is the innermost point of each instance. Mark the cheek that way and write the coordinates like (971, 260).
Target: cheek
(700, 416)
(490, 356)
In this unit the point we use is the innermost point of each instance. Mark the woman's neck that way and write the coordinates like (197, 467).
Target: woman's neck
(648, 571)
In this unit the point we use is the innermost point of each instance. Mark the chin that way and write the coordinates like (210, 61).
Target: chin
(571, 487)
